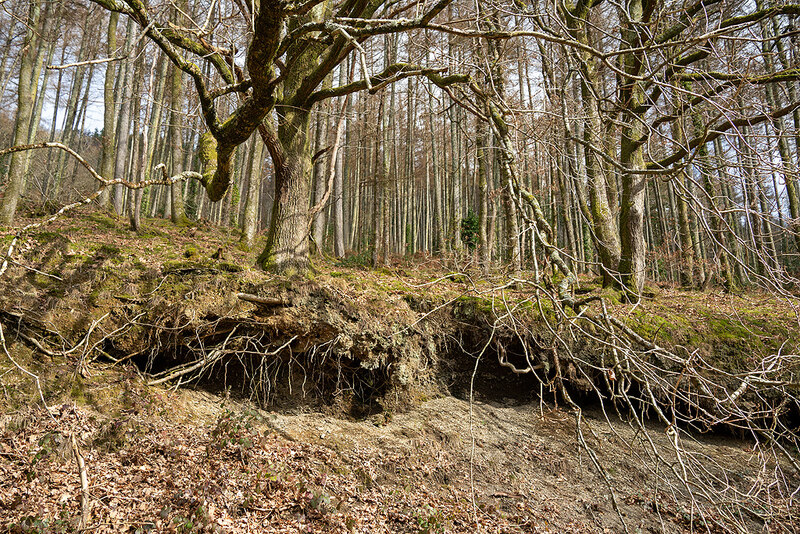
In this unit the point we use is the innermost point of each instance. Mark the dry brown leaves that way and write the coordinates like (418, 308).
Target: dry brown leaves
(149, 474)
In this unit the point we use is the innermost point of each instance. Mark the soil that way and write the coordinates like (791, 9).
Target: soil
(192, 461)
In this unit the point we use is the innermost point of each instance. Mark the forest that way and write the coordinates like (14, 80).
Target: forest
(400, 219)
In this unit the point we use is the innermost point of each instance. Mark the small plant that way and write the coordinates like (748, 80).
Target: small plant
(234, 429)
(320, 501)
(268, 479)
(183, 524)
(198, 520)
(428, 520)
(145, 528)
(362, 259)
(39, 525)
(49, 444)
(469, 230)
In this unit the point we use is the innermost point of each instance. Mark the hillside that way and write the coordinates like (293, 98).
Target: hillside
(204, 395)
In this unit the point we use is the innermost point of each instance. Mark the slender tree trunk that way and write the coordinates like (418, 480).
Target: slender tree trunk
(483, 197)
(320, 139)
(250, 219)
(123, 126)
(16, 172)
(601, 190)
(177, 213)
(682, 192)
(48, 51)
(788, 167)
(338, 178)
(71, 118)
(109, 112)
(437, 187)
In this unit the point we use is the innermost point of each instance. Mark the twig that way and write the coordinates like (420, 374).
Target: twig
(37, 271)
(89, 62)
(85, 504)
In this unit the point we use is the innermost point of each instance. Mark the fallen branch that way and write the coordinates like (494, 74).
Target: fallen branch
(85, 505)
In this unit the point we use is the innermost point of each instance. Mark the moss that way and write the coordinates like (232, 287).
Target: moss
(229, 267)
(190, 252)
(94, 297)
(650, 292)
(49, 237)
(207, 154)
(183, 265)
(103, 220)
(611, 295)
(78, 391)
(469, 306)
(654, 328)
(138, 264)
(108, 250)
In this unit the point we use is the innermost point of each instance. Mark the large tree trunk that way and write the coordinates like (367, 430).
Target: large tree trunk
(634, 185)
(287, 241)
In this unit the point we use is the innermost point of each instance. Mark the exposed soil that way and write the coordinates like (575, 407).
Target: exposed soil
(193, 461)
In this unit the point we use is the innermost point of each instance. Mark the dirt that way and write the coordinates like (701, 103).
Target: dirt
(168, 459)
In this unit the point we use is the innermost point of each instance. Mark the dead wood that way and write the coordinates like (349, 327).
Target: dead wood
(85, 504)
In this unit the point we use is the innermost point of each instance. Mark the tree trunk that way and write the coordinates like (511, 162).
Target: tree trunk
(287, 241)
(123, 126)
(177, 214)
(16, 172)
(633, 250)
(338, 177)
(250, 219)
(483, 197)
(109, 113)
(320, 140)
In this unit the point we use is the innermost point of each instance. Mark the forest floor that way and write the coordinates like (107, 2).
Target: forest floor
(372, 450)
